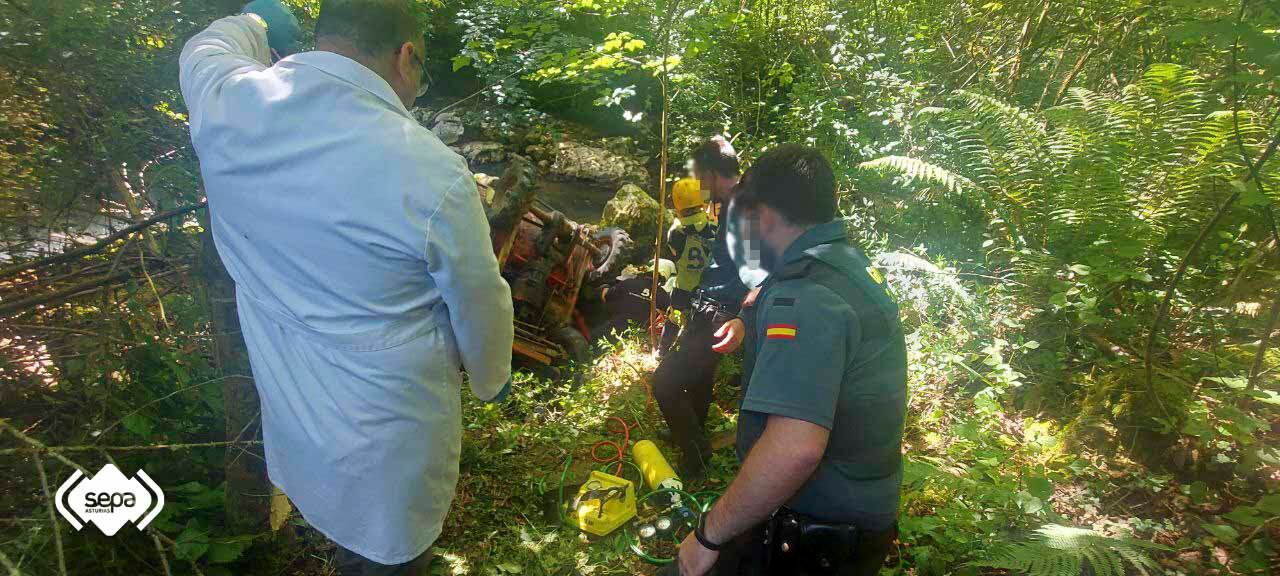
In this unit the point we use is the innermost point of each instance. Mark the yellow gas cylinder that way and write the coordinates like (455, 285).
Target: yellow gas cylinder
(604, 503)
(657, 472)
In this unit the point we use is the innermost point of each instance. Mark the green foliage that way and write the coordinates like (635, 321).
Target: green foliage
(1066, 551)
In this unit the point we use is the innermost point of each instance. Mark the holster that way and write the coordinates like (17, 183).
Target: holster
(796, 543)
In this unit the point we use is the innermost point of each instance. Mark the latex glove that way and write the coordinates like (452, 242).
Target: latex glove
(502, 394)
(730, 334)
(284, 35)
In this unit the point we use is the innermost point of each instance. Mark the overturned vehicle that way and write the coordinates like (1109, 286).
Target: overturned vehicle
(550, 262)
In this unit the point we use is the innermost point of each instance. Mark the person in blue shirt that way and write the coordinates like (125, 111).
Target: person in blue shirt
(365, 277)
(682, 384)
(821, 419)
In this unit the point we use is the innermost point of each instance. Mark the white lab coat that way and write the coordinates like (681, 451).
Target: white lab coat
(365, 279)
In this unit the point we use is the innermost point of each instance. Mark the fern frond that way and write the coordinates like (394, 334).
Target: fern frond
(921, 171)
(1057, 550)
(908, 262)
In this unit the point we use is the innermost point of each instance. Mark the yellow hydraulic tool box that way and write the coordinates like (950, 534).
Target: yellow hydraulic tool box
(604, 503)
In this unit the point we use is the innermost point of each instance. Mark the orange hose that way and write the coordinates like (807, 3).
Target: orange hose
(619, 448)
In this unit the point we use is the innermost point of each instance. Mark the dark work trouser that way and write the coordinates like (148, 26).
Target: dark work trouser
(682, 386)
(351, 564)
(748, 556)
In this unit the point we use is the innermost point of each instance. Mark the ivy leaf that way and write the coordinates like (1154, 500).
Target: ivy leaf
(1245, 515)
(191, 544)
(223, 550)
(1040, 487)
(460, 61)
(1222, 532)
(1270, 504)
(141, 426)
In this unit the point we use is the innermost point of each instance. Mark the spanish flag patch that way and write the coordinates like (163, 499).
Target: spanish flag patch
(780, 332)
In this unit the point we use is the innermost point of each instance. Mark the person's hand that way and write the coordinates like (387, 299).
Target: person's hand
(502, 394)
(695, 559)
(284, 34)
(730, 335)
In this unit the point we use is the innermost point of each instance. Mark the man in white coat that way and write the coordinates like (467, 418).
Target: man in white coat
(365, 277)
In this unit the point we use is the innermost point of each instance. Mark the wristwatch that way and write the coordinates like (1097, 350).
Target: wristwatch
(700, 533)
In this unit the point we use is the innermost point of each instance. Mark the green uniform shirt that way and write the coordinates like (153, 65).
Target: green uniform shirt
(825, 345)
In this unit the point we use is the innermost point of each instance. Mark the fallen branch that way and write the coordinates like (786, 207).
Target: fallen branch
(101, 244)
(18, 306)
(139, 448)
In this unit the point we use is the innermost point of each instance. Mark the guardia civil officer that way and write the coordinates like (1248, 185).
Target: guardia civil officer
(820, 428)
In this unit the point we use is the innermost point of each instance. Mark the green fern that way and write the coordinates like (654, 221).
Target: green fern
(921, 171)
(1145, 167)
(1066, 551)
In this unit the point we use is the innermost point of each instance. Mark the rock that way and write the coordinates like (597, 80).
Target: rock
(484, 152)
(577, 161)
(448, 127)
(423, 116)
(633, 210)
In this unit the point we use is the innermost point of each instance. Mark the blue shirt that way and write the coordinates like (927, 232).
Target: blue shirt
(365, 280)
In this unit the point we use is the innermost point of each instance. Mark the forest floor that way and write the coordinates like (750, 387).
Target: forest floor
(516, 457)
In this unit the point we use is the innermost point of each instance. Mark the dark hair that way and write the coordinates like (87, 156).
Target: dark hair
(716, 155)
(372, 26)
(793, 179)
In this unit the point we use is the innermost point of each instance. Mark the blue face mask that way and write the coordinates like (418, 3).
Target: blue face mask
(749, 254)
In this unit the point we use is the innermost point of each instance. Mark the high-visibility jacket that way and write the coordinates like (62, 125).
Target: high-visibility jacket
(691, 239)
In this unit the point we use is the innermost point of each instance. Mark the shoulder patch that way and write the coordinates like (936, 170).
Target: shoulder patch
(781, 332)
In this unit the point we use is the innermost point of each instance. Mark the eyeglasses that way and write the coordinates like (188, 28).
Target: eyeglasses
(424, 80)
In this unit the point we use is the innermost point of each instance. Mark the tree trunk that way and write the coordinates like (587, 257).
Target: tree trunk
(248, 499)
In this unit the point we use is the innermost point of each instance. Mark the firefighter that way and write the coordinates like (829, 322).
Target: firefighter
(690, 239)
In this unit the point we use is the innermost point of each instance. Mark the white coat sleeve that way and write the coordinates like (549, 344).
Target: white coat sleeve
(229, 47)
(460, 260)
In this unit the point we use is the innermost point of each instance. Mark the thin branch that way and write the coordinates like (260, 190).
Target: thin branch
(53, 517)
(1255, 372)
(100, 245)
(164, 559)
(42, 448)
(103, 434)
(20, 306)
(138, 448)
(9, 565)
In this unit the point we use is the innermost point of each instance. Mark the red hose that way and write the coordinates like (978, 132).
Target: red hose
(619, 448)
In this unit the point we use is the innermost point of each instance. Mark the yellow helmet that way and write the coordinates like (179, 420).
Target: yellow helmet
(686, 195)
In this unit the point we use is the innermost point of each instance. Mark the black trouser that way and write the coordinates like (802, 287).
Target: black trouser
(682, 386)
(351, 564)
(747, 555)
